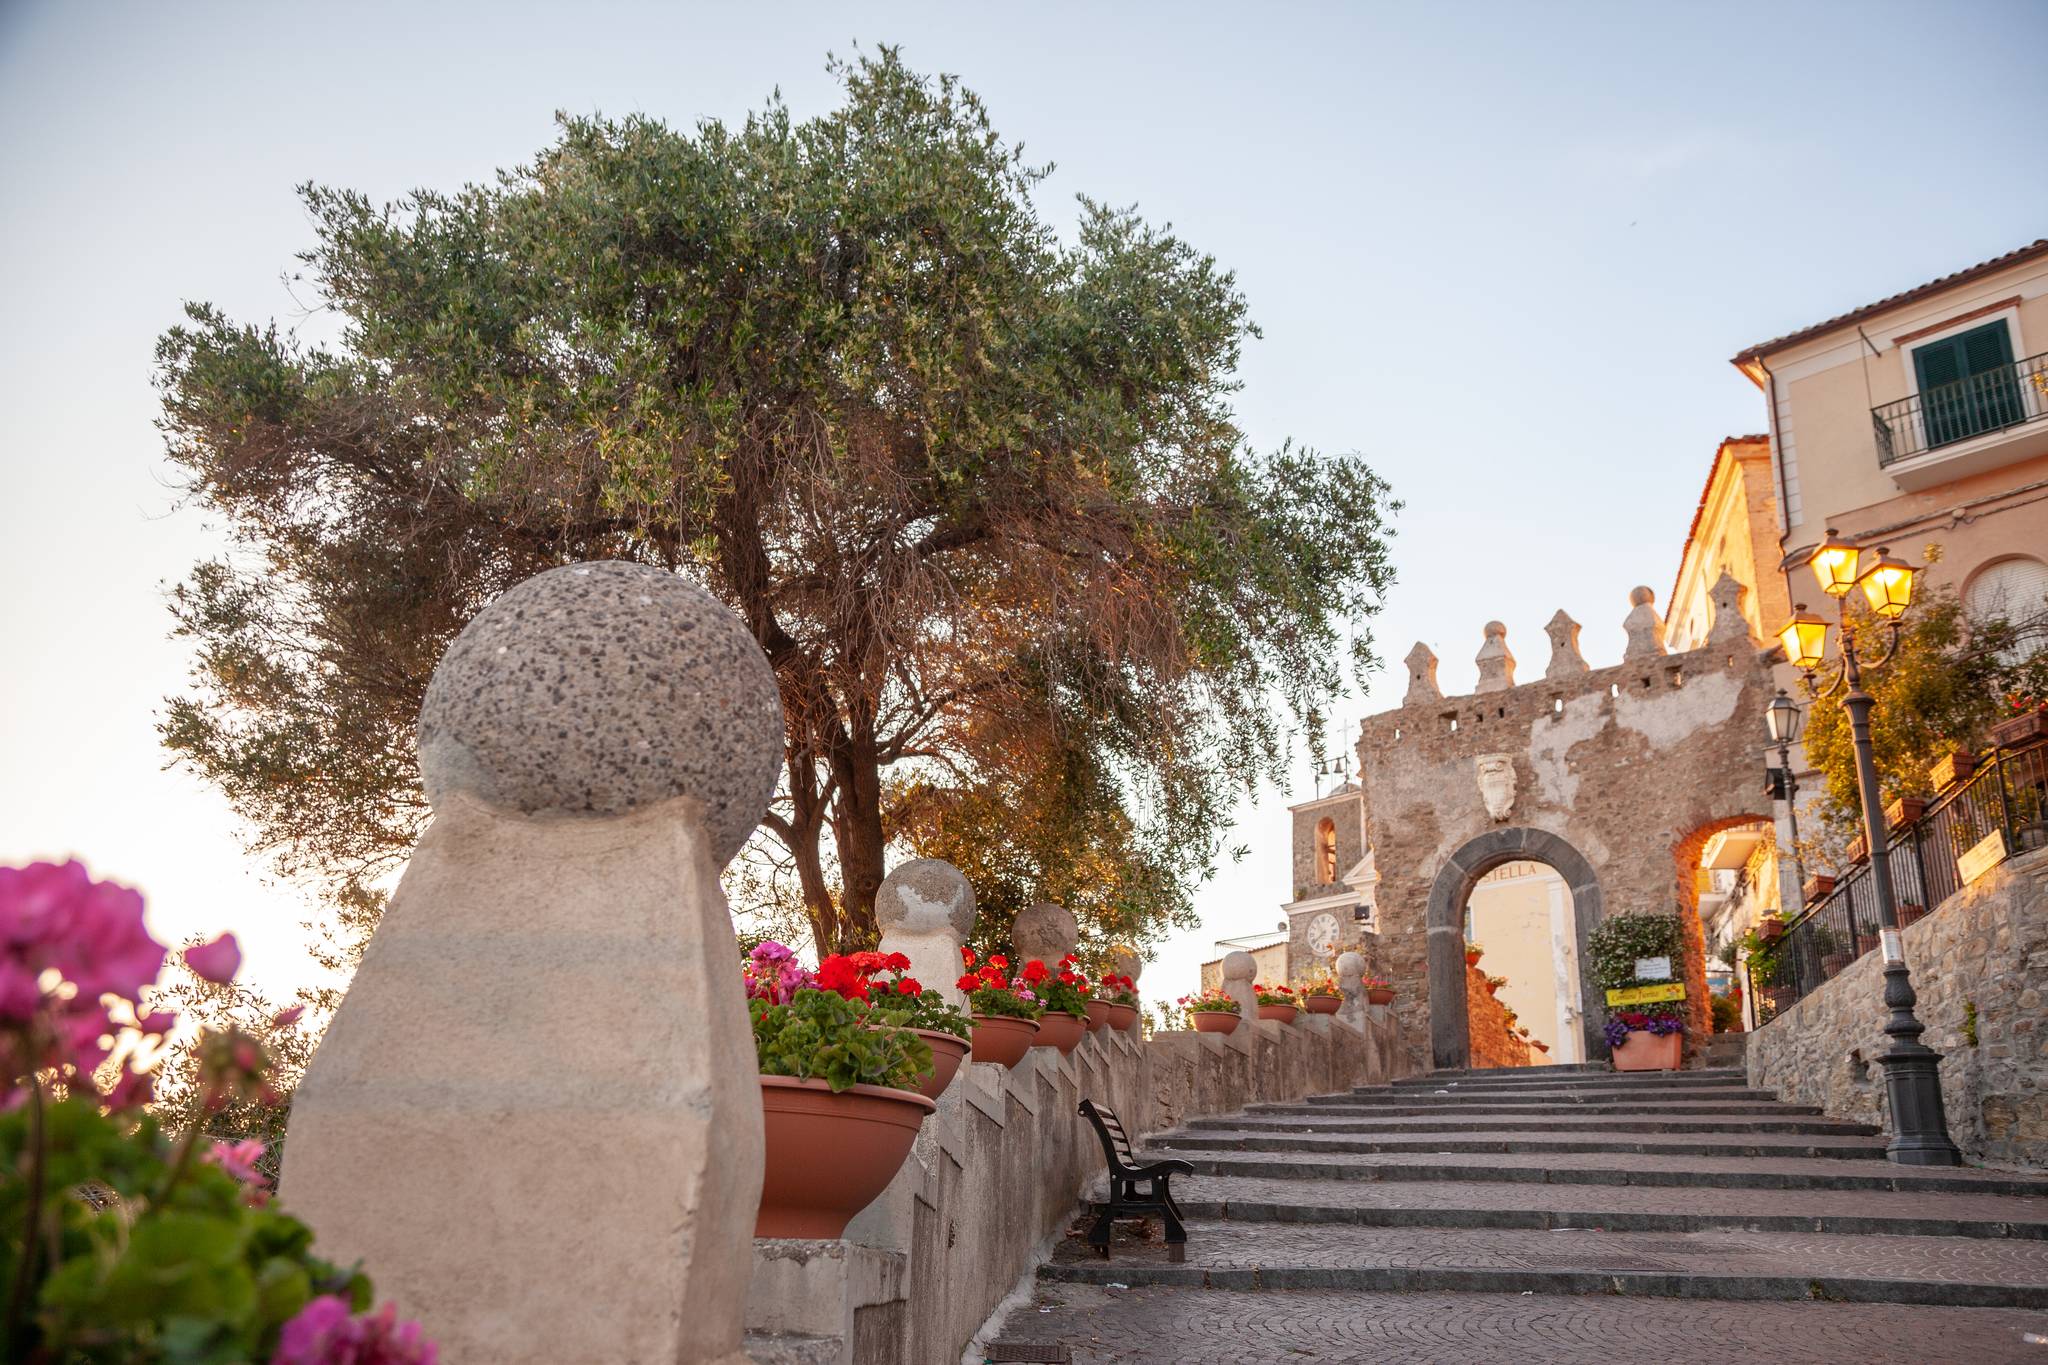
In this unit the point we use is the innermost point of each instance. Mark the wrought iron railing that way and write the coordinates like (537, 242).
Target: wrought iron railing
(2008, 396)
(2007, 796)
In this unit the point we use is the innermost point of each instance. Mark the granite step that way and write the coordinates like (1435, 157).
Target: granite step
(1944, 1271)
(1569, 1076)
(1726, 1094)
(1533, 1108)
(1525, 1140)
(1563, 1122)
(1613, 1208)
(1610, 1168)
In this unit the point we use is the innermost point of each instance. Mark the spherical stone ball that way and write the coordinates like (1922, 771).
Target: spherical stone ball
(1126, 962)
(1641, 596)
(925, 896)
(1350, 968)
(1239, 966)
(1045, 931)
(598, 689)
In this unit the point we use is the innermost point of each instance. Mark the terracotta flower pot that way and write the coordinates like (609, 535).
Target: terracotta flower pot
(1952, 770)
(1124, 1018)
(1325, 1004)
(1098, 1015)
(1057, 1028)
(1380, 995)
(1472, 958)
(1002, 1039)
(1213, 1021)
(829, 1155)
(1643, 1050)
(1903, 811)
(2021, 728)
(948, 1051)
(1279, 1014)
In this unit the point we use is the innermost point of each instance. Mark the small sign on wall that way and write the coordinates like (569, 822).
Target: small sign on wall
(1646, 995)
(1653, 969)
(1987, 853)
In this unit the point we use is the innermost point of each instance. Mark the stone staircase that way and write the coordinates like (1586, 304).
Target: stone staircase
(1401, 1211)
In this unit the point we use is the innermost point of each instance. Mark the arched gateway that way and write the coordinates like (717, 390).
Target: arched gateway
(1608, 776)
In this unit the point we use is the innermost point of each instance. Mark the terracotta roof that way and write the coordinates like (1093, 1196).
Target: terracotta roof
(1700, 510)
(2037, 247)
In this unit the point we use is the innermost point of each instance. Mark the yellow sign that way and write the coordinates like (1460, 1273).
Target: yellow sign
(1987, 853)
(1647, 995)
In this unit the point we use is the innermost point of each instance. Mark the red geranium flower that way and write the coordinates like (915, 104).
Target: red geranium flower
(908, 986)
(1034, 971)
(896, 962)
(966, 955)
(838, 973)
(967, 983)
(998, 960)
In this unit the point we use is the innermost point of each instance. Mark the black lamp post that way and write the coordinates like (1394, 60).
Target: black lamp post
(1783, 720)
(1912, 1074)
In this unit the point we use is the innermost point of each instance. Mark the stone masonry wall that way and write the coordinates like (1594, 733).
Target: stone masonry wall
(1979, 961)
(1494, 1044)
(1004, 1164)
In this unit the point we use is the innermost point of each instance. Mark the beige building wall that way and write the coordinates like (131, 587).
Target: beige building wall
(1272, 960)
(1959, 508)
(1734, 531)
(1522, 913)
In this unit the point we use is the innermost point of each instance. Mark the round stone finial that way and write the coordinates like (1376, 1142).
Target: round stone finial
(1641, 596)
(1045, 931)
(1126, 962)
(602, 688)
(1496, 630)
(1239, 966)
(1350, 968)
(925, 896)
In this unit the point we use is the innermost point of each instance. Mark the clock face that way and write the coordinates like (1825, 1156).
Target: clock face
(1322, 935)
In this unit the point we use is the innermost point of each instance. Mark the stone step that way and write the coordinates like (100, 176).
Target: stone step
(1613, 1168)
(1570, 1076)
(1161, 1326)
(1533, 1108)
(1566, 1122)
(1612, 1208)
(1590, 1085)
(1546, 1096)
(1946, 1271)
(1529, 1141)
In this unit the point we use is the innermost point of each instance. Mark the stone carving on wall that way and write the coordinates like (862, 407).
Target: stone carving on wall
(1497, 784)
(1421, 676)
(1496, 665)
(1729, 622)
(1644, 626)
(1565, 659)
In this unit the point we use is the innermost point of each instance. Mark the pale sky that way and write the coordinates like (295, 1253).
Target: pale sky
(1504, 251)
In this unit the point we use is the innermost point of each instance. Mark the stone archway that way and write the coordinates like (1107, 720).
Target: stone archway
(1448, 1041)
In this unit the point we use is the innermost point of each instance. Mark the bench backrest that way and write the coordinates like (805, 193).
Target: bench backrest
(1116, 1144)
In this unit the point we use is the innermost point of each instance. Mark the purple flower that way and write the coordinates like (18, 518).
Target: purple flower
(324, 1333)
(217, 961)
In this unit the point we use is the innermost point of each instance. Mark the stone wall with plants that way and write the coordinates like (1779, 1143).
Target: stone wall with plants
(1980, 967)
(1496, 1040)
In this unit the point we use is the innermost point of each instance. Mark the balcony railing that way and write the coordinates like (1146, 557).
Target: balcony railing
(2009, 396)
(2009, 795)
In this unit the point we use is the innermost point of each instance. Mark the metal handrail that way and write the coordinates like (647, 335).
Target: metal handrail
(2009, 794)
(1993, 400)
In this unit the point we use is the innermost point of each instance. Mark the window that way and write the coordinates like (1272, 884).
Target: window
(1967, 384)
(1326, 851)
(2014, 590)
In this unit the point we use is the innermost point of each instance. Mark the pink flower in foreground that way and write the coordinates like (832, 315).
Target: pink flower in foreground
(217, 961)
(286, 1018)
(324, 1333)
(239, 1160)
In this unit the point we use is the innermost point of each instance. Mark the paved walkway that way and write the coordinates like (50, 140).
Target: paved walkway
(1557, 1214)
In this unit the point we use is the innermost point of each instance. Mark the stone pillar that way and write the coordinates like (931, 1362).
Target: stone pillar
(926, 911)
(1565, 659)
(1644, 626)
(1496, 665)
(1240, 969)
(1044, 931)
(1729, 622)
(1351, 981)
(555, 978)
(1421, 676)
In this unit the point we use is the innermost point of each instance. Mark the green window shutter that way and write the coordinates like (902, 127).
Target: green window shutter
(1967, 384)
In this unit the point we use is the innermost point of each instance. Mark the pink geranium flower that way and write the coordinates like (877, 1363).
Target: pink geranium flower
(239, 1160)
(325, 1333)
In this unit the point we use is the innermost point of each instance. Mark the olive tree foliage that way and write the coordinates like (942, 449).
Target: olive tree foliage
(977, 491)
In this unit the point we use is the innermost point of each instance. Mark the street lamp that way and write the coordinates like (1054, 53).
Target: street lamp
(1912, 1075)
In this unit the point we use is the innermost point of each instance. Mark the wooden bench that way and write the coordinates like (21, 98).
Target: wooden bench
(1125, 1175)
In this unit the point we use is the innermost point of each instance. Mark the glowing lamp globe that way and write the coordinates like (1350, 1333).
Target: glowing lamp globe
(1782, 718)
(1888, 584)
(1805, 638)
(1834, 565)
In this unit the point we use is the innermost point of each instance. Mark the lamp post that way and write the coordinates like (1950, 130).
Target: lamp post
(1783, 720)
(1912, 1075)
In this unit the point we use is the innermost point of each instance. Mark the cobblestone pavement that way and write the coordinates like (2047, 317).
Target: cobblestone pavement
(1150, 1326)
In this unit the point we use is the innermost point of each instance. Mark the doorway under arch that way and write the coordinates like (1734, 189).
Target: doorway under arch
(1449, 1043)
